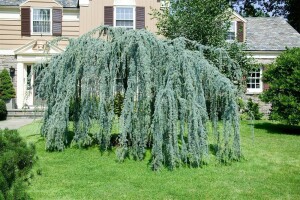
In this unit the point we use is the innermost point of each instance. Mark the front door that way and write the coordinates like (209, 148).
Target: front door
(28, 86)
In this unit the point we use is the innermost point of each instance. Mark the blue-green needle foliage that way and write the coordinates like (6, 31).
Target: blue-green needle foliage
(172, 90)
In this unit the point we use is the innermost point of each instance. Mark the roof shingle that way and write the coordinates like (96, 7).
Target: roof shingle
(270, 34)
(64, 3)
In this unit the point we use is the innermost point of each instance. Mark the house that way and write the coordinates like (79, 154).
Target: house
(266, 39)
(26, 26)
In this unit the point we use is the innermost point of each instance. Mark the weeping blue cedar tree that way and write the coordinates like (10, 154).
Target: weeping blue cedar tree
(167, 85)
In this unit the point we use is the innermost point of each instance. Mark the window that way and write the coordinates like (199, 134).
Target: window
(254, 82)
(125, 17)
(41, 21)
(231, 34)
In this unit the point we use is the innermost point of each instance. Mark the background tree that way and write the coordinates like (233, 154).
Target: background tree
(249, 10)
(274, 8)
(206, 22)
(293, 13)
(284, 93)
(258, 8)
(7, 90)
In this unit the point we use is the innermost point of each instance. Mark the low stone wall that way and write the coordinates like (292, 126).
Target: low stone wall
(264, 108)
(24, 113)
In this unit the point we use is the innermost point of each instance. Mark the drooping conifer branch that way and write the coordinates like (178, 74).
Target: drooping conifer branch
(172, 89)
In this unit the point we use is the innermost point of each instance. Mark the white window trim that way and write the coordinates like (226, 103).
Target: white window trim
(256, 90)
(235, 31)
(115, 15)
(164, 4)
(31, 22)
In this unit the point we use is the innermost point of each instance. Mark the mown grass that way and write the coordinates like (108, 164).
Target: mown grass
(270, 170)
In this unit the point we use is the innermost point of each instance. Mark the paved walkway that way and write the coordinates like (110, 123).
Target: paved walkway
(15, 123)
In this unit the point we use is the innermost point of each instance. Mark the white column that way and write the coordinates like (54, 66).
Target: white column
(20, 85)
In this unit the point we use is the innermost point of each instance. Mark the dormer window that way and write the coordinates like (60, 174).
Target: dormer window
(231, 34)
(41, 21)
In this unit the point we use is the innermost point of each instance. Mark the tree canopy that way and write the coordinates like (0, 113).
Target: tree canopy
(204, 21)
(283, 78)
(293, 16)
(258, 8)
(171, 92)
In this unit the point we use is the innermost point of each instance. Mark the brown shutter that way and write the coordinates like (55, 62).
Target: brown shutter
(57, 22)
(140, 17)
(240, 31)
(109, 15)
(25, 21)
(265, 85)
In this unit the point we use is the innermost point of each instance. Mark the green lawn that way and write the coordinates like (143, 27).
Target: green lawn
(270, 170)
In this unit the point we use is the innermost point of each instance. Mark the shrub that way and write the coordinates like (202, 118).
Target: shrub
(249, 110)
(253, 110)
(283, 78)
(3, 110)
(7, 90)
(16, 161)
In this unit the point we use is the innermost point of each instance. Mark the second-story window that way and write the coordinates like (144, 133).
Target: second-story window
(41, 21)
(125, 17)
(231, 34)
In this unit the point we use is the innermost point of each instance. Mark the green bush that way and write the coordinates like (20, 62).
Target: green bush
(249, 110)
(283, 78)
(253, 110)
(7, 90)
(16, 161)
(3, 110)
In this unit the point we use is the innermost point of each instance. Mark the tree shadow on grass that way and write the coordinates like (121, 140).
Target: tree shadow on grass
(278, 128)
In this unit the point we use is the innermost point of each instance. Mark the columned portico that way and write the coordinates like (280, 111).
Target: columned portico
(30, 54)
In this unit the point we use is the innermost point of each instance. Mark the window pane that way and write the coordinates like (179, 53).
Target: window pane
(232, 27)
(253, 81)
(230, 36)
(124, 23)
(124, 13)
(41, 21)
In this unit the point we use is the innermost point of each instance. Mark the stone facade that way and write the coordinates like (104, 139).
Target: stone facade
(264, 108)
(6, 62)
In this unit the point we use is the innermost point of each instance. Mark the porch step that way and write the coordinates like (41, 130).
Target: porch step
(25, 113)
